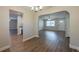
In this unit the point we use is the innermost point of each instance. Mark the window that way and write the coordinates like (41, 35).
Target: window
(50, 23)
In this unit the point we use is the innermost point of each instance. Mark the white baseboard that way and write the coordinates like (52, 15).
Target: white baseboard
(36, 35)
(74, 47)
(5, 47)
(30, 38)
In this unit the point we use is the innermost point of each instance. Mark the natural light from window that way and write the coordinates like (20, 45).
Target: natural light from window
(50, 23)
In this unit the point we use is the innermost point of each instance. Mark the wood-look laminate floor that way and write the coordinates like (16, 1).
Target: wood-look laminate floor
(49, 41)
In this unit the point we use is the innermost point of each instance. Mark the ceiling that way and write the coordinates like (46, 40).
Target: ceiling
(44, 7)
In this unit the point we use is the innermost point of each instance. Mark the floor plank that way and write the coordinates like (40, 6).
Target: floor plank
(49, 41)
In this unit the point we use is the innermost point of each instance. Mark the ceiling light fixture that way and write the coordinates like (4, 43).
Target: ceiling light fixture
(36, 8)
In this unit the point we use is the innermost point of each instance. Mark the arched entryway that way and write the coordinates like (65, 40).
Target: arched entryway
(53, 30)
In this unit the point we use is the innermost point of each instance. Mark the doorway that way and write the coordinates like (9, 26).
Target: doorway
(54, 28)
(15, 24)
(58, 21)
(16, 30)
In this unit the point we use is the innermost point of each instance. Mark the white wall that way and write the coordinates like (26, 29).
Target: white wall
(4, 33)
(28, 24)
(73, 29)
(41, 24)
(19, 24)
(61, 25)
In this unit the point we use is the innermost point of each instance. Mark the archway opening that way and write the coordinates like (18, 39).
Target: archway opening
(53, 30)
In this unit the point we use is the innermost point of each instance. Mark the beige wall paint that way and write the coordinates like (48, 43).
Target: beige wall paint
(74, 20)
(28, 23)
(4, 33)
